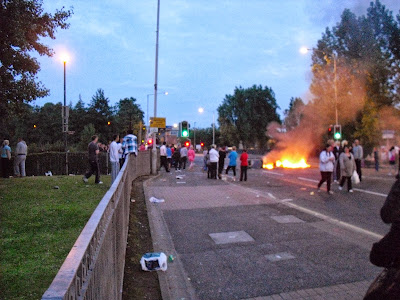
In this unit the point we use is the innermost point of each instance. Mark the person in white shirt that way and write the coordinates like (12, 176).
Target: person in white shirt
(163, 157)
(214, 157)
(326, 162)
(19, 162)
(184, 153)
(114, 157)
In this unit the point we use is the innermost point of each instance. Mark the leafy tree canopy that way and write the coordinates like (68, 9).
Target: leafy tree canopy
(244, 116)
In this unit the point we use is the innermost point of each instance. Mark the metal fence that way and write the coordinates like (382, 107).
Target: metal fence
(94, 268)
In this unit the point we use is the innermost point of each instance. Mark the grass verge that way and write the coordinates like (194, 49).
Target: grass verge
(39, 224)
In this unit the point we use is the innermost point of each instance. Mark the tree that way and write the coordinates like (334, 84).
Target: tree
(22, 24)
(245, 115)
(294, 114)
(128, 115)
(100, 113)
(367, 52)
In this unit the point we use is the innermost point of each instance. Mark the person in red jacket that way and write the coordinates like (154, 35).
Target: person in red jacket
(243, 165)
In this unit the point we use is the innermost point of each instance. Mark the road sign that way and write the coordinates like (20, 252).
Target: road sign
(157, 122)
(388, 134)
(153, 129)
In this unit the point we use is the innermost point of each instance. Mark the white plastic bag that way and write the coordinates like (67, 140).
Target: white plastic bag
(154, 261)
(156, 200)
(354, 178)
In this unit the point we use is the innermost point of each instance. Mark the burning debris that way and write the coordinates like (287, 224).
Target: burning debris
(287, 164)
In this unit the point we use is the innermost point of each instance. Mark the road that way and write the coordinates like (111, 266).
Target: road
(272, 236)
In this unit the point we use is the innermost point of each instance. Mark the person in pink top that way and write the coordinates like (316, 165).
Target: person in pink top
(243, 165)
(191, 156)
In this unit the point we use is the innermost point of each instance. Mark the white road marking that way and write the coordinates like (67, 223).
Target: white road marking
(358, 190)
(271, 196)
(371, 192)
(273, 173)
(308, 179)
(334, 221)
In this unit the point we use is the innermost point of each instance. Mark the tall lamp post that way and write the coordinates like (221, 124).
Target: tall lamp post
(201, 110)
(147, 114)
(304, 50)
(65, 112)
(154, 152)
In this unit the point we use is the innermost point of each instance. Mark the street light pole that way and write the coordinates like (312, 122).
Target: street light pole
(154, 158)
(65, 119)
(335, 79)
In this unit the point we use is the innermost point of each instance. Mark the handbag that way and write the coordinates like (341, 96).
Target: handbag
(355, 178)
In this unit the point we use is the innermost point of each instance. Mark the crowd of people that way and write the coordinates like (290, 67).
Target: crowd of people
(342, 163)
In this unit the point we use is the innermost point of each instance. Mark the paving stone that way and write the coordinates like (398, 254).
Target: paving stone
(231, 237)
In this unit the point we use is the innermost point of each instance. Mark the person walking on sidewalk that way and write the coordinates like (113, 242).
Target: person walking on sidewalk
(191, 157)
(20, 157)
(184, 153)
(232, 161)
(205, 153)
(347, 167)
(214, 156)
(176, 157)
(221, 161)
(358, 156)
(326, 161)
(244, 163)
(163, 157)
(93, 150)
(169, 156)
(114, 157)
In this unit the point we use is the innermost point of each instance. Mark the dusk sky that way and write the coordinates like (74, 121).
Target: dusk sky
(206, 49)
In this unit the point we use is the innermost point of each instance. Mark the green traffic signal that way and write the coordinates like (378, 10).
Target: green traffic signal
(338, 136)
(184, 133)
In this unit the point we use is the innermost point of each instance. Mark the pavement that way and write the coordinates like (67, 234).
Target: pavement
(249, 240)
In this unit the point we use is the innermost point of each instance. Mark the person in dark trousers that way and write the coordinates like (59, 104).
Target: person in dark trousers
(93, 150)
(347, 167)
(244, 163)
(221, 161)
(163, 157)
(358, 156)
(326, 161)
(232, 161)
(176, 157)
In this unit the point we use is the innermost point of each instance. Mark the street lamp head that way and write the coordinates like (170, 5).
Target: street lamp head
(201, 110)
(175, 125)
(166, 93)
(304, 50)
(64, 57)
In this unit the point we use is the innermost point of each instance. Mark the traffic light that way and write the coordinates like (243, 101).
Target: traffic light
(150, 141)
(330, 128)
(337, 132)
(187, 144)
(202, 144)
(184, 130)
(108, 123)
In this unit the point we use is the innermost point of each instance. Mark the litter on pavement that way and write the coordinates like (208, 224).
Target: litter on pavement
(154, 261)
(156, 200)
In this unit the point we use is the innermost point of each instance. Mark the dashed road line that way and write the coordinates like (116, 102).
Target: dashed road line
(358, 190)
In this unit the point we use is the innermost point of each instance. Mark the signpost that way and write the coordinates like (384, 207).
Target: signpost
(157, 122)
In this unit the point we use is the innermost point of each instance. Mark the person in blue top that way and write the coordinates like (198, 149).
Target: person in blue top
(169, 156)
(232, 161)
(5, 157)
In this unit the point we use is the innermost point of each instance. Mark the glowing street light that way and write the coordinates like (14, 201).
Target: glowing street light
(65, 113)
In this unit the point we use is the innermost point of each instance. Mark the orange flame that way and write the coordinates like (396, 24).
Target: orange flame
(287, 164)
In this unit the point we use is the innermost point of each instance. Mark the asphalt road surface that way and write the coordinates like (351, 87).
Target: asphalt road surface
(271, 236)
